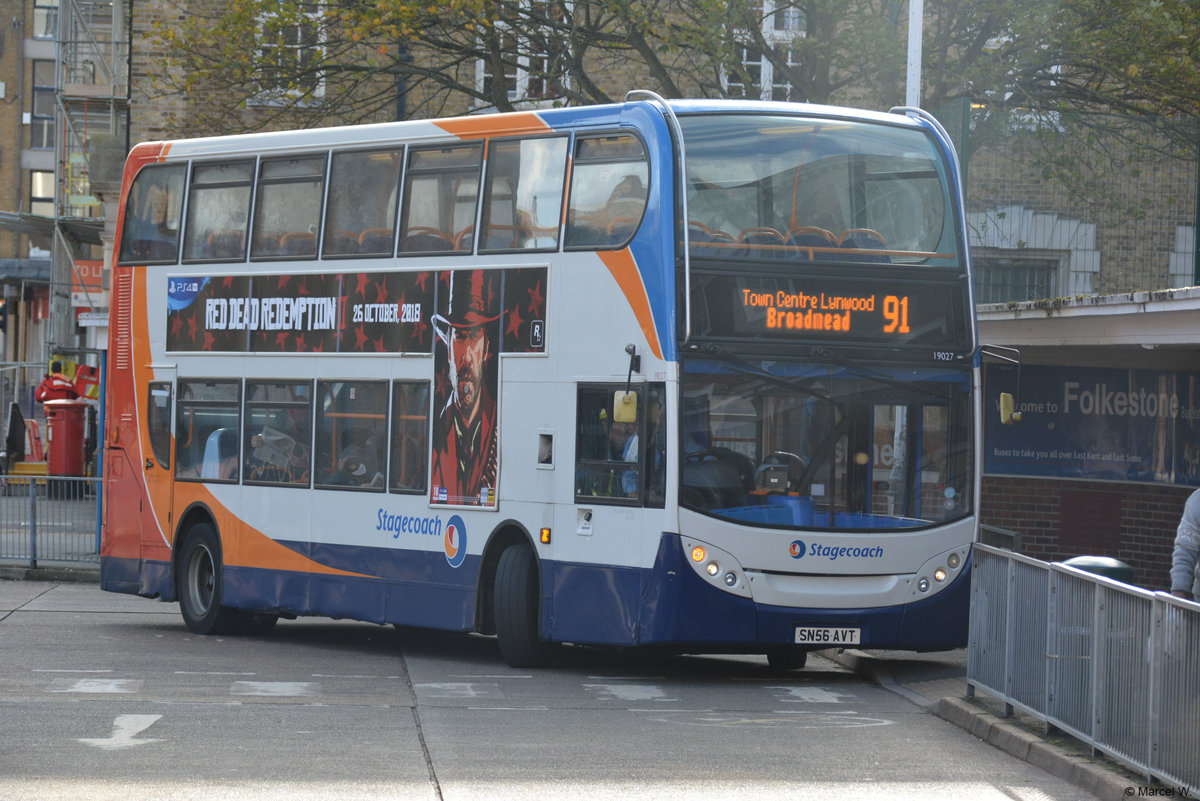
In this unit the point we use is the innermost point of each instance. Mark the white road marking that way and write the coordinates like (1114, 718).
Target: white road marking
(458, 689)
(101, 686)
(629, 692)
(125, 731)
(273, 689)
(811, 695)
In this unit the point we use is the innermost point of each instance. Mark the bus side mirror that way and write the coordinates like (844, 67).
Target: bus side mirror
(1007, 414)
(624, 406)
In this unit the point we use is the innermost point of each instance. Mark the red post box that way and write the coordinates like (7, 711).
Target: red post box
(66, 422)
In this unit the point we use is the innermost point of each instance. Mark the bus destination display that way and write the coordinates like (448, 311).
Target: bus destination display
(833, 310)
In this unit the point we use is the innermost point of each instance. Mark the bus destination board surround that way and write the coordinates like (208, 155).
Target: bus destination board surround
(885, 312)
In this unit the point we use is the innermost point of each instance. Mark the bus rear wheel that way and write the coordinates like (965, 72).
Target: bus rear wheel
(200, 586)
(516, 602)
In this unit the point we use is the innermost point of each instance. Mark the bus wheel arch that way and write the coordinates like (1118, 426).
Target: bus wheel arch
(510, 597)
(198, 569)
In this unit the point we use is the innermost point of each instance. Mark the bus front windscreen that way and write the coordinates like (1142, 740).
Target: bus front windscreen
(806, 445)
(817, 190)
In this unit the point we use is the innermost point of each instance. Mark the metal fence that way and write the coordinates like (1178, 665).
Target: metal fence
(1114, 665)
(49, 518)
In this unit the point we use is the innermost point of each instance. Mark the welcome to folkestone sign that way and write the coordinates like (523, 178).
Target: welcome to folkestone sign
(1095, 423)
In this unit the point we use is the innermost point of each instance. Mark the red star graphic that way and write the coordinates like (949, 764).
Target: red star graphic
(379, 346)
(209, 340)
(176, 325)
(381, 293)
(227, 281)
(361, 337)
(422, 281)
(283, 281)
(514, 323)
(361, 290)
(281, 341)
(536, 299)
(192, 328)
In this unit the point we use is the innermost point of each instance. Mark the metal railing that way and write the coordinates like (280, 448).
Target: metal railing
(1114, 665)
(49, 518)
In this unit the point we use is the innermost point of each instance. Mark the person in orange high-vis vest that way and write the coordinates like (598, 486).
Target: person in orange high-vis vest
(55, 386)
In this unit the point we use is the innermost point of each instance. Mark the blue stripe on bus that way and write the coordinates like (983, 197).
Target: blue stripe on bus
(596, 604)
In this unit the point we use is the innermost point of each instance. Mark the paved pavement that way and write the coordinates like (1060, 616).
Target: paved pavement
(936, 681)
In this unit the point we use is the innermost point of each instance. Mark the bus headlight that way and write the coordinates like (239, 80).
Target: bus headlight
(953, 561)
(939, 575)
(716, 567)
(923, 584)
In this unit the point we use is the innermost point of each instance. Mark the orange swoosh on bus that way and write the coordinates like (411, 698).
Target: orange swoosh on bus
(486, 125)
(623, 268)
(245, 546)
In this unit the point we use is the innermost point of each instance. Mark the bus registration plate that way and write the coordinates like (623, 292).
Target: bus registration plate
(827, 636)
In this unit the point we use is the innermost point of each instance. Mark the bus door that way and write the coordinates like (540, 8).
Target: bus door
(158, 463)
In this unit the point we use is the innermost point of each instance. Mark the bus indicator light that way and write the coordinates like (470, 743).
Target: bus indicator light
(698, 554)
(545, 536)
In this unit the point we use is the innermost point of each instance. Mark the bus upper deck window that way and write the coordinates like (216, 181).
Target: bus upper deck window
(287, 211)
(609, 189)
(441, 193)
(218, 211)
(151, 232)
(523, 199)
(362, 203)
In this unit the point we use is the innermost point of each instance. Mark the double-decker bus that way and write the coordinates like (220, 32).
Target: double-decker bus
(693, 374)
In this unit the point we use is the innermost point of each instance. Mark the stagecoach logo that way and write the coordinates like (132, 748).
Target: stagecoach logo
(798, 549)
(455, 541)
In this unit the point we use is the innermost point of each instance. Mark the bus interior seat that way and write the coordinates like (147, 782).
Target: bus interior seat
(220, 445)
(377, 241)
(807, 237)
(298, 243)
(341, 243)
(465, 239)
(864, 239)
(620, 230)
(764, 241)
(426, 240)
(227, 244)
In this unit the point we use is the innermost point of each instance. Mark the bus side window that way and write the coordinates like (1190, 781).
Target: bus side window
(608, 452)
(410, 436)
(351, 426)
(609, 186)
(158, 421)
(151, 230)
(287, 210)
(218, 211)
(441, 190)
(278, 433)
(207, 419)
(363, 186)
(523, 200)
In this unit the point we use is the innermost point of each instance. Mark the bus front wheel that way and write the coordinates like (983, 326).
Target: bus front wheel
(516, 604)
(200, 584)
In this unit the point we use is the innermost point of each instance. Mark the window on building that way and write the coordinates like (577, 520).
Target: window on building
(1001, 278)
(41, 120)
(291, 46)
(527, 52)
(759, 78)
(45, 19)
(41, 193)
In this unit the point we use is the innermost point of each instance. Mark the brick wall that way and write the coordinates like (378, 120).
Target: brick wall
(1060, 519)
